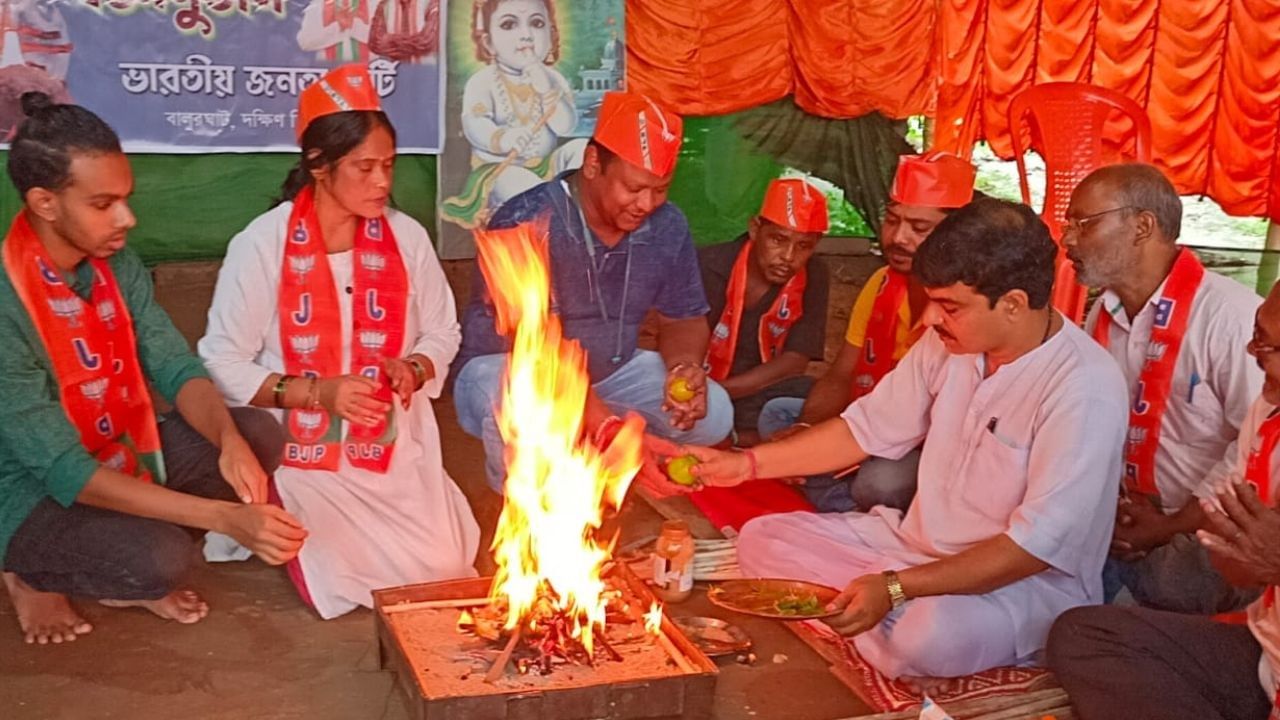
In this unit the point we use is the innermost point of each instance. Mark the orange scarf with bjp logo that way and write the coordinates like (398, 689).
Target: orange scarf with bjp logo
(94, 353)
(1151, 398)
(775, 324)
(881, 336)
(311, 335)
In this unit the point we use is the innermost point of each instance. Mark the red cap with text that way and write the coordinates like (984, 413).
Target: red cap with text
(637, 130)
(343, 89)
(796, 205)
(934, 179)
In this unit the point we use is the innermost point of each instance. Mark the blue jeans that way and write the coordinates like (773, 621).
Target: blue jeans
(777, 415)
(879, 481)
(638, 386)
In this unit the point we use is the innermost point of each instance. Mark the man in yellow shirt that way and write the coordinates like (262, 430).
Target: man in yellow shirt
(882, 327)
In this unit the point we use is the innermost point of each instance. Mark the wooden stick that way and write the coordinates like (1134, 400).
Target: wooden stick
(500, 665)
(435, 605)
(681, 661)
(613, 654)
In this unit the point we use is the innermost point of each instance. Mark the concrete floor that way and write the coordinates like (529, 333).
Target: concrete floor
(261, 654)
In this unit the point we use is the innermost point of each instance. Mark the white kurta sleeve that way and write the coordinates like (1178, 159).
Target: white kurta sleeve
(1073, 474)
(893, 419)
(437, 334)
(244, 302)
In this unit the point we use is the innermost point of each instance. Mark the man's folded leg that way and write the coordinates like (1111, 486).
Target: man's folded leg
(640, 386)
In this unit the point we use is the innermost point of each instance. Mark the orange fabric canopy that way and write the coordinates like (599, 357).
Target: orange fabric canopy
(1207, 71)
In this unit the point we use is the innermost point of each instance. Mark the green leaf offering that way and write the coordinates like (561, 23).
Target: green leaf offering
(798, 605)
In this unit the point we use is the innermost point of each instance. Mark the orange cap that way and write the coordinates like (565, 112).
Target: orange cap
(934, 179)
(342, 89)
(635, 129)
(796, 205)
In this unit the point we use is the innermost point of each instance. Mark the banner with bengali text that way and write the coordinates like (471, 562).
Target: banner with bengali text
(203, 76)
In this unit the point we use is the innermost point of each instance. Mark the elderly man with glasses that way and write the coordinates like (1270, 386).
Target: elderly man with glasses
(1142, 664)
(1179, 334)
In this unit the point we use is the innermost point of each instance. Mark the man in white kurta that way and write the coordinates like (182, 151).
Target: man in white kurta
(366, 530)
(1018, 412)
(1025, 452)
(1122, 228)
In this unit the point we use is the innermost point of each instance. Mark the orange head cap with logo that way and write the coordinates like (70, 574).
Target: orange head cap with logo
(636, 129)
(934, 179)
(796, 205)
(342, 89)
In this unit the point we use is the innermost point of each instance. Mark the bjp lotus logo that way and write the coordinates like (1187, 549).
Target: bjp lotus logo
(373, 340)
(305, 345)
(1137, 435)
(300, 265)
(95, 390)
(116, 460)
(308, 426)
(107, 312)
(66, 308)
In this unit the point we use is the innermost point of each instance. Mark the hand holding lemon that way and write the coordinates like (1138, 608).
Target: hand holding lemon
(686, 396)
(680, 470)
(680, 391)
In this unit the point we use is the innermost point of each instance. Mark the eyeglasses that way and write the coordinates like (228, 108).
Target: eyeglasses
(1080, 224)
(1257, 348)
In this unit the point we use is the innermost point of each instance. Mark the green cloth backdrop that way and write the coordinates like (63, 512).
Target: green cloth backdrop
(189, 206)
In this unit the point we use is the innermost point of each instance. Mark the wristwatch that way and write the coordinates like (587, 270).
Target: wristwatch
(894, 586)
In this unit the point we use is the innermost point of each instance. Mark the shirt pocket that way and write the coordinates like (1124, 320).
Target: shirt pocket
(1200, 401)
(996, 479)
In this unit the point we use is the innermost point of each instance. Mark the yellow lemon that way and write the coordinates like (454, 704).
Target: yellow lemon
(680, 391)
(680, 470)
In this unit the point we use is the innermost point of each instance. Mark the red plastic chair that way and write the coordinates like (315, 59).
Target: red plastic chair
(1073, 127)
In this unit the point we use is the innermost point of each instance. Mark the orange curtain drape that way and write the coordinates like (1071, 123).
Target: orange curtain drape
(1208, 71)
(840, 58)
(709, 58)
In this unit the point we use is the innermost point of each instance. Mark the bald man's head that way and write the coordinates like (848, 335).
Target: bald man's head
(1140, 187)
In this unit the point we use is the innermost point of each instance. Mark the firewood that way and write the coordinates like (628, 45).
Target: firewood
(500, 665)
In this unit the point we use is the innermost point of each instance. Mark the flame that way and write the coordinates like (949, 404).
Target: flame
(557, 483)
(465, 620)
(653, 620)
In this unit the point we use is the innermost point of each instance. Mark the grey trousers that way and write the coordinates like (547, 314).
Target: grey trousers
(1139, 664)
(96, 553)
(879, 481)
(1177, 577)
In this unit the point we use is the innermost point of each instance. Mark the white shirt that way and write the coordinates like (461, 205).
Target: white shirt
(1214, 381)
(1033, 452)
(365, 530)
(1263, 621)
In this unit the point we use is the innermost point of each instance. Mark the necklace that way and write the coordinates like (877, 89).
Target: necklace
(1048, 328)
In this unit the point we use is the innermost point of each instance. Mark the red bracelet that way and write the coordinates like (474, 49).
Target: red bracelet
(606, 431)
(752, 474)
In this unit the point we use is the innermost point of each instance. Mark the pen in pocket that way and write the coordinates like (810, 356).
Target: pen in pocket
(1191, 389)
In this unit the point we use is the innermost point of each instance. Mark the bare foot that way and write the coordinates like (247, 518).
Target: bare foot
(183, 606)
(44, 617)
